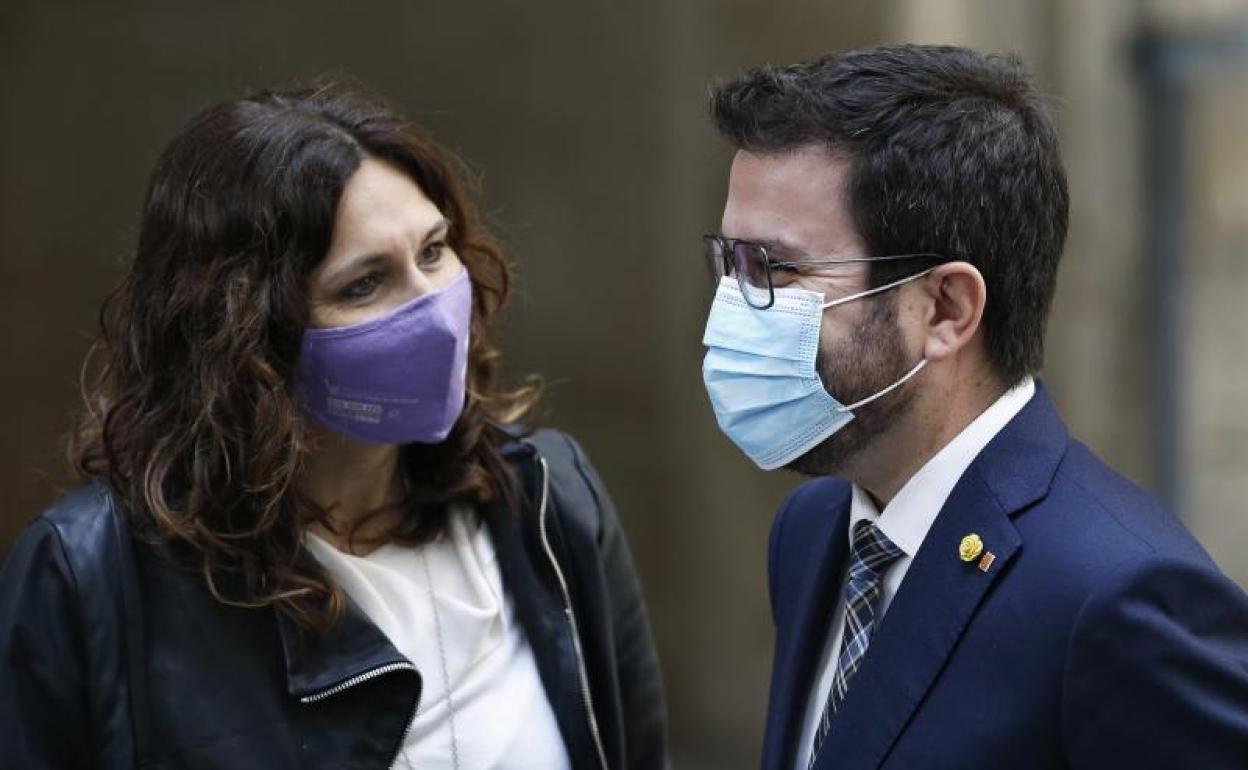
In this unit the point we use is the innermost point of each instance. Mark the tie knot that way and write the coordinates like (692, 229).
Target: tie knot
(873, 552)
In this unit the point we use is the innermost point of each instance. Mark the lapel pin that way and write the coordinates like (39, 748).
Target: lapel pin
(987, 561)
(970, 548)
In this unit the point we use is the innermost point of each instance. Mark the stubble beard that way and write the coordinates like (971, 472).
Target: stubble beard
(872, 359)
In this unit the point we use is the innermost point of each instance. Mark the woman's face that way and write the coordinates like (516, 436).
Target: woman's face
(389, 247)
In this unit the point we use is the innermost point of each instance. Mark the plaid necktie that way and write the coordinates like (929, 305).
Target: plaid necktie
(871, 556)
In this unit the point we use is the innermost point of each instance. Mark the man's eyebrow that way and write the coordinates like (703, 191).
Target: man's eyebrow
(781, 246)
(783, 251)
(778, 245)
(771, 244)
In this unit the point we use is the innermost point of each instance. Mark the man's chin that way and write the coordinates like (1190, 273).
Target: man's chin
(807, 465)
(834, 455)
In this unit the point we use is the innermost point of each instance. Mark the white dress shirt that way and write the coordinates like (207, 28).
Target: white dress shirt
(905, 521)
(503, 720)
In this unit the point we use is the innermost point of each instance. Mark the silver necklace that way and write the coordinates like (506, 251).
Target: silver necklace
(446, 675)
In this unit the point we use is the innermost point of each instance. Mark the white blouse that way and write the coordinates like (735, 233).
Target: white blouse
(502, 718)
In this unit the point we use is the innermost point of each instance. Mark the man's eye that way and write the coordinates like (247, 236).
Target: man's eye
(784, 273)
(362, 287)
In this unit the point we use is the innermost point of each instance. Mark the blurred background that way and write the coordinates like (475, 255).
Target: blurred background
(586, 122)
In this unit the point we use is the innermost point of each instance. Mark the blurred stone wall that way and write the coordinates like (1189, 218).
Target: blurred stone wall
(1215, 464)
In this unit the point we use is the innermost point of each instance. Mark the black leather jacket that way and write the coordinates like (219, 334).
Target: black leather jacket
(110, 659)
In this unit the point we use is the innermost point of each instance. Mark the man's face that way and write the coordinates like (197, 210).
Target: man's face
(793, 203)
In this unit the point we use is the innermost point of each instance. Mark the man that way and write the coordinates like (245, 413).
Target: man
(979, 591)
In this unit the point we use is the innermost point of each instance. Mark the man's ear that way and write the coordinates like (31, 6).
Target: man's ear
(956, 294)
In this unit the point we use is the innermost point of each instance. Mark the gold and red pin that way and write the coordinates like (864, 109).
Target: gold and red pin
(972, 548)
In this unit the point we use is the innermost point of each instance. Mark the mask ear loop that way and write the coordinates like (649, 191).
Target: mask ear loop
(887, 390)
(905, 378)
(877, 289)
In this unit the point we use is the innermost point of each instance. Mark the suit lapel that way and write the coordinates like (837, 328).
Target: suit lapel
(941, 592)
(818, 569)
(927, 617)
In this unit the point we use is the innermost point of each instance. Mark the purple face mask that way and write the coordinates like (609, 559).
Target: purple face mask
(395, 379)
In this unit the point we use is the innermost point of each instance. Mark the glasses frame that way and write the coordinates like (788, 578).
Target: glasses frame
(727, 247)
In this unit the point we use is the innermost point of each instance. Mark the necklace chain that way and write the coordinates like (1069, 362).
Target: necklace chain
(446, 675)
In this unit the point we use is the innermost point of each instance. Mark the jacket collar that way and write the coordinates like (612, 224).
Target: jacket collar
(1019, 464)
(354, 648)
(936, 602)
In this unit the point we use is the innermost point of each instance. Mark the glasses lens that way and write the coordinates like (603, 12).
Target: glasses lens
(713, 250)
(750, 263)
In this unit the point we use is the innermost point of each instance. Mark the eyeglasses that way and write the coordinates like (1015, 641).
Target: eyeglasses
(754, 269)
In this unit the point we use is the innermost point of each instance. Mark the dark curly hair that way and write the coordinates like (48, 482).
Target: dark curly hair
(192, 414)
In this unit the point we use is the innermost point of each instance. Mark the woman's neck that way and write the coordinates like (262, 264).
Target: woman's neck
(349, 479)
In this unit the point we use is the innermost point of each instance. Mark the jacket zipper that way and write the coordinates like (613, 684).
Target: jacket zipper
(364, 677)
(586, 696)
(372, 673)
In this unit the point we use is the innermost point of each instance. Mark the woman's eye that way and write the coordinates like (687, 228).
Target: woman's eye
(362, 287)
(432, 254)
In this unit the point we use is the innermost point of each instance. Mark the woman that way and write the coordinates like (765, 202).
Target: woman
(313, 534)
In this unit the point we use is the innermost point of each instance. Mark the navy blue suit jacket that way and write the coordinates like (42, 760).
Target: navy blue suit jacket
(1101, 636)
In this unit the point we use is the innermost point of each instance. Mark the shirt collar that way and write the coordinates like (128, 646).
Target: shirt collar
(910, 514)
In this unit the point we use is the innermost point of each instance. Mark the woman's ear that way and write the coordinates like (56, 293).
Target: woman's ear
(957, 294)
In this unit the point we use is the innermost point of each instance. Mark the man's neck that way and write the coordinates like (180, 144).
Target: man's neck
(934, 420)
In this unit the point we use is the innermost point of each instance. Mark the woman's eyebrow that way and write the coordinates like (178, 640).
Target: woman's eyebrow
(367, 260)
(438, 229)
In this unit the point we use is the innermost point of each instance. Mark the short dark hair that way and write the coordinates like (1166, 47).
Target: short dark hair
(950, 151)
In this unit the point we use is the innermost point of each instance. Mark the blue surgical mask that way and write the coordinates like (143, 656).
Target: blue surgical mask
(760, 372)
